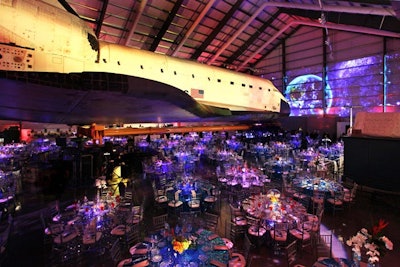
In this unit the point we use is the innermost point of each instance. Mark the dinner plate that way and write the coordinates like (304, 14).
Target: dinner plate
(206, 248)
(138, 249)
(156, 258)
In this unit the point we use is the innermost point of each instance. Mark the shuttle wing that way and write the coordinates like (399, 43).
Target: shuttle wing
(83, 98)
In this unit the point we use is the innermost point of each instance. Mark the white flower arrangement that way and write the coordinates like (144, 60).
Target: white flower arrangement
(101, 183)
(375, 244)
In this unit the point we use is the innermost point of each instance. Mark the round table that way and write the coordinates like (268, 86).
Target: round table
(270, 210)
(205, 248)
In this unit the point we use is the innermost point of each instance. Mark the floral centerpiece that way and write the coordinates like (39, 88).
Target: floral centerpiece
(375, 243)
(274, 195)
(180, 244)
(101, 183)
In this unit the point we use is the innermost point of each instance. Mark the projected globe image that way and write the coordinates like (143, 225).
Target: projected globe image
(305, 95)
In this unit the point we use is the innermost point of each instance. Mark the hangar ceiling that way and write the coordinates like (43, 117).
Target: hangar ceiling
(234, 34)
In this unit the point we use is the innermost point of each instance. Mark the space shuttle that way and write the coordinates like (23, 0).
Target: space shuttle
(53, 69)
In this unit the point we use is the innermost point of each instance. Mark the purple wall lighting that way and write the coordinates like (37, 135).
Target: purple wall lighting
(369, 83)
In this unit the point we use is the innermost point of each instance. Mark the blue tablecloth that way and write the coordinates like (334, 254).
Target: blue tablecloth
(205, 247)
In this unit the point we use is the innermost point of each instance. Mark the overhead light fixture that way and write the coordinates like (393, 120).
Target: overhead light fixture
(322, 20)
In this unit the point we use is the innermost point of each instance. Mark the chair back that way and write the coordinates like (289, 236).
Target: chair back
(235, 211)
(280, 229)
(354, 190)
(211, 221)
(115, 251)
(317, 194)
(290, 252)
(159, 221)
(235, 231)
(247, 246)
(324, 245)
(252, 221)
(43, 221)
(133, 236)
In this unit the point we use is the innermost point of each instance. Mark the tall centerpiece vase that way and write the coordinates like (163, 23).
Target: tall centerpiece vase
(98, 195)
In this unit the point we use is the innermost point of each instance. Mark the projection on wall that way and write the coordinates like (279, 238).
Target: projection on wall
(392, 70)
(305, 94)
(353, 83)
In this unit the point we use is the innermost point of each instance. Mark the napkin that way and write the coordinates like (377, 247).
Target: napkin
(199, 231)
(177, 195)
(140, 251)
(57, 218)
(213, 236)
(127, 264)
(217, 263)
(220, 247)
(142, 260)
(141, 246)
(161, 198)
(65, 234)
(149, 239)
(240, 218)
(71, 222)
(299, 231)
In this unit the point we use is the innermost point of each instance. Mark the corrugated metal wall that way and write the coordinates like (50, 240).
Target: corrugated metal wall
(328, 76)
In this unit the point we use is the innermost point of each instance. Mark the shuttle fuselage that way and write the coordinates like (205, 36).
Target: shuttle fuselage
(38, 37)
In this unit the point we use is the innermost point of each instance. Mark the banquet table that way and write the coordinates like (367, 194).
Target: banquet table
(187, 189)
(334, 262)
(206, 249)
(309, 184)
(245, 177)
(279, 165)
(271, 208)
(87, 221)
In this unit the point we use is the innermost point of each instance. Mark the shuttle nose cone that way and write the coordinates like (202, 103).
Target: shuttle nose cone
(285, 108)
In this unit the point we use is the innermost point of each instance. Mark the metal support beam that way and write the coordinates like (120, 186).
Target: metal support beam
(194, 25)
(252, 39)
(143, 4)
(384, 76)
(166, 25)
(99, 23)
(284, 69)
(324, 67)
(354, 10)
(216, 30)
(328, 25)
(340, 9)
